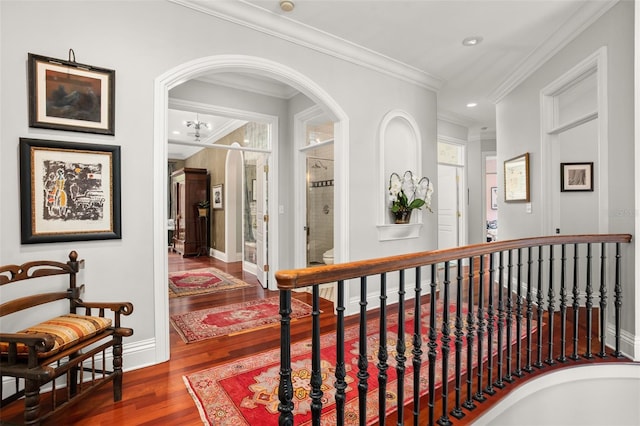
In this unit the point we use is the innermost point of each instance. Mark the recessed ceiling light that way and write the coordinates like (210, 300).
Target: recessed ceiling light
(472, 41)
(472, 104)
(175, 132)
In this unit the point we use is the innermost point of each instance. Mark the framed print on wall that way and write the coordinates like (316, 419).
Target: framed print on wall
(516, 179)
(65, 95)
(69, 191)
(216, 197)
(494, 198)
(576, 177)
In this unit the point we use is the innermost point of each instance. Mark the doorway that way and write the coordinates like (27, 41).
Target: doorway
(574, 130)
(276, 206)
(320, 208)
(451, 194)
(315, 187)
(491, 195)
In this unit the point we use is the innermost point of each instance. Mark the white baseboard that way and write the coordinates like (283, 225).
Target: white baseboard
(218, 255)
(629, 343)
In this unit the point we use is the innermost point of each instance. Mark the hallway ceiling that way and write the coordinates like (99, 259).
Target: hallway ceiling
(427, 35)
(422, 40)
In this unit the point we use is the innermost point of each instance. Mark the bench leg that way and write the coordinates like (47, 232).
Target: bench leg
(73, 374)
(117, 369)
(31, 402)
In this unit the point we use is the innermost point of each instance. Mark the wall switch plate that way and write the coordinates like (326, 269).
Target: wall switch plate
(528, 208)
(281, 209)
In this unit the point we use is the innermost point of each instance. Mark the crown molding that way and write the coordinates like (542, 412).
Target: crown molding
(583, 18)
(458, 119)
(264, 21)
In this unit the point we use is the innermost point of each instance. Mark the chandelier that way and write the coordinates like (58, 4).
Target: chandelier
(197, 125)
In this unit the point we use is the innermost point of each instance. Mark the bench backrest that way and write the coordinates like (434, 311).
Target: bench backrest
(37, 269)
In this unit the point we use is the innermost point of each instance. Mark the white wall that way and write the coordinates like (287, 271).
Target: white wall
(141, 41)
(518, 131)
(601, 394)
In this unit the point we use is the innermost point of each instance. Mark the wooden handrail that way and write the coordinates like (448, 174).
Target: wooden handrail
(516, 311)
(298, 278)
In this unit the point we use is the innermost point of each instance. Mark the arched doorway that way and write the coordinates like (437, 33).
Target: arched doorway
(265, 68)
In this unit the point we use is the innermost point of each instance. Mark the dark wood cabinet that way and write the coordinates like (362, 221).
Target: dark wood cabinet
(188, 187)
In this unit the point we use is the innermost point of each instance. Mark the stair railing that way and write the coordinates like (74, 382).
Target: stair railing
(494, 322)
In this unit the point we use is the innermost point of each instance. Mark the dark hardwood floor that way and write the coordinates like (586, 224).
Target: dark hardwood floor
(157, 395)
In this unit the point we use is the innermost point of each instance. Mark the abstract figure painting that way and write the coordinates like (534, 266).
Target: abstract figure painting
(69, 191)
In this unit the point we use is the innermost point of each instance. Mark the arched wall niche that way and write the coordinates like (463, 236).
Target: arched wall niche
(400, 150)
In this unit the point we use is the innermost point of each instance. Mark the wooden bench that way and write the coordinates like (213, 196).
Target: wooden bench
(72, 346)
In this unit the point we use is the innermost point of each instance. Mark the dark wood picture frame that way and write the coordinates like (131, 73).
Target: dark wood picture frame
(69, 191)
(576, 177)
(516, 179)
(217, 197)
(66, 95)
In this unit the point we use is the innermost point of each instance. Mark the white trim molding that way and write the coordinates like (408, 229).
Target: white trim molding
(596, 63)
(234, 63)
(413, 161)
(586, 16)
(262, 20)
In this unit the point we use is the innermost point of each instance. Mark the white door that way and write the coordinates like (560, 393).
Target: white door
(262, 220)
(449, 212)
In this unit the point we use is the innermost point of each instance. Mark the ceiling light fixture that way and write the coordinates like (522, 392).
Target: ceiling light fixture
(286, 5)
(197, 125)
(472, 104)
(472, 41)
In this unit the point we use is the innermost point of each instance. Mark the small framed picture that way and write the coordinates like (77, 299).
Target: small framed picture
(216, 197)
(516, 179)
(576, 177)
(66, 95)
(69, 191)
(494, 198)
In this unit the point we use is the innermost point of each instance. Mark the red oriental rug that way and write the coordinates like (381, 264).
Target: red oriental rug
(233, 319)
(202, 281)
(245, 392)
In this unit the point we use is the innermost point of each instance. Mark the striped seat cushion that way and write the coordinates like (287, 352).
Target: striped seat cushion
(66, 330)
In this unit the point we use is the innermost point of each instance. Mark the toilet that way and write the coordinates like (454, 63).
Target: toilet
(327, 257)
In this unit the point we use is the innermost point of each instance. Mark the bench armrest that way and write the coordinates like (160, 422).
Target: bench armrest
(118, 308)
(35, 342)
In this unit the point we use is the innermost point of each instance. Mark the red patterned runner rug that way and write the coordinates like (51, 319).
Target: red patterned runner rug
(202, 281)
(233, 319)
(245, 392)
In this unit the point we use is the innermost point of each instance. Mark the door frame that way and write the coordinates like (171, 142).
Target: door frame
(463, 221)
(550, 128)
(259, 66)
(231, 192)
(485, 156)
(300, 182)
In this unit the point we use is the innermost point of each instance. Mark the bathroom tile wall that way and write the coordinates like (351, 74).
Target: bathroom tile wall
(320, 208)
